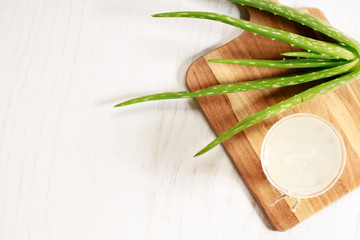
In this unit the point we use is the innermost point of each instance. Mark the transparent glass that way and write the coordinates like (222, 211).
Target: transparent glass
(271, 142)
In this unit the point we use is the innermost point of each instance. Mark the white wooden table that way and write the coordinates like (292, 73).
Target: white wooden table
(73, 167)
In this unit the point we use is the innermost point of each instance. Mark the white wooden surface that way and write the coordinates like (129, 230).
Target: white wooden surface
(72, 167)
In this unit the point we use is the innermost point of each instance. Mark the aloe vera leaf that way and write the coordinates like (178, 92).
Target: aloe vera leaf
(247, 86)
(303, 18)
(283, 106)
(292, 63)
(307, 55)
(321, 47)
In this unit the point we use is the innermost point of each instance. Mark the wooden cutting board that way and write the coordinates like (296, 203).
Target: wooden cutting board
(341, 107)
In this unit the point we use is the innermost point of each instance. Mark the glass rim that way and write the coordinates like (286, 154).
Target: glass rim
(338, 137)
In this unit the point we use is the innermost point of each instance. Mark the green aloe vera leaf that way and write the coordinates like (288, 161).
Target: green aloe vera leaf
(303, 18)
(317, 46)
(292, 63)
(307, 55)
(283, 106)
(248, 85)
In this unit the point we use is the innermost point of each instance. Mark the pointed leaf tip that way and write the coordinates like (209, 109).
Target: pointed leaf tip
(197, 154)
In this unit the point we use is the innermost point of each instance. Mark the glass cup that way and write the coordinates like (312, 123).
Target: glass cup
(303, 155)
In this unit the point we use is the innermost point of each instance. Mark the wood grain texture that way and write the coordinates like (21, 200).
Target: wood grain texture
(244, 148)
